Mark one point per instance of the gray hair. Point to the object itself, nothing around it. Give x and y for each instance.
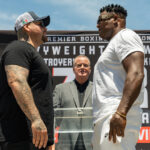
(80, 56)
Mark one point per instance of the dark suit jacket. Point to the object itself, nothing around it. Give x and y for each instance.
(66, 96)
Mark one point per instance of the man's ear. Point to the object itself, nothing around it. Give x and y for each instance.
(90, 69)
(116, 24)
(26, 27)
(116, 20)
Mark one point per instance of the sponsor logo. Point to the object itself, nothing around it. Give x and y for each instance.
(25, 21)
(144, 136)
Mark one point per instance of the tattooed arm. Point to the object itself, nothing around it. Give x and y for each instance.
(17, 80)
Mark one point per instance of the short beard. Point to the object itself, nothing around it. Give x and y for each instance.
(44, 38)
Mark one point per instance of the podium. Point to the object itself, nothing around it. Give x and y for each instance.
(73, 127)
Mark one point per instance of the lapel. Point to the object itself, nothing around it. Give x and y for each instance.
(87, 93)
(74, 93)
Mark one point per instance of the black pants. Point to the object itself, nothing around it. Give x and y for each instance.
(2, 145)
(24, 145)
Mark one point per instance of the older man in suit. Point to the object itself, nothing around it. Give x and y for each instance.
(76, 96)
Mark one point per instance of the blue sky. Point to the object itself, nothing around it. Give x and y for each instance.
(73, 14)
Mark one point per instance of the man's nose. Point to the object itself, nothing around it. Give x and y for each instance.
(82, 66)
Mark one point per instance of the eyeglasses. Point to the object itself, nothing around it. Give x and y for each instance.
(40, 23)
(80, 65)
(104, 18)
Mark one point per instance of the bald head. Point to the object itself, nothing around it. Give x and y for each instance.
(75, 59)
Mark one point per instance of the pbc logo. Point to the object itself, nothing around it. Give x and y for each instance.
(144, 136)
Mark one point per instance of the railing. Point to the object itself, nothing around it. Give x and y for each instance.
(70, 123)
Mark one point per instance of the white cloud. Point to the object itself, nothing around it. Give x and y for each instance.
(8, 17)
(66, 24)
(7, 21)
(6, 26)
(82, 8)
(73, 14)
